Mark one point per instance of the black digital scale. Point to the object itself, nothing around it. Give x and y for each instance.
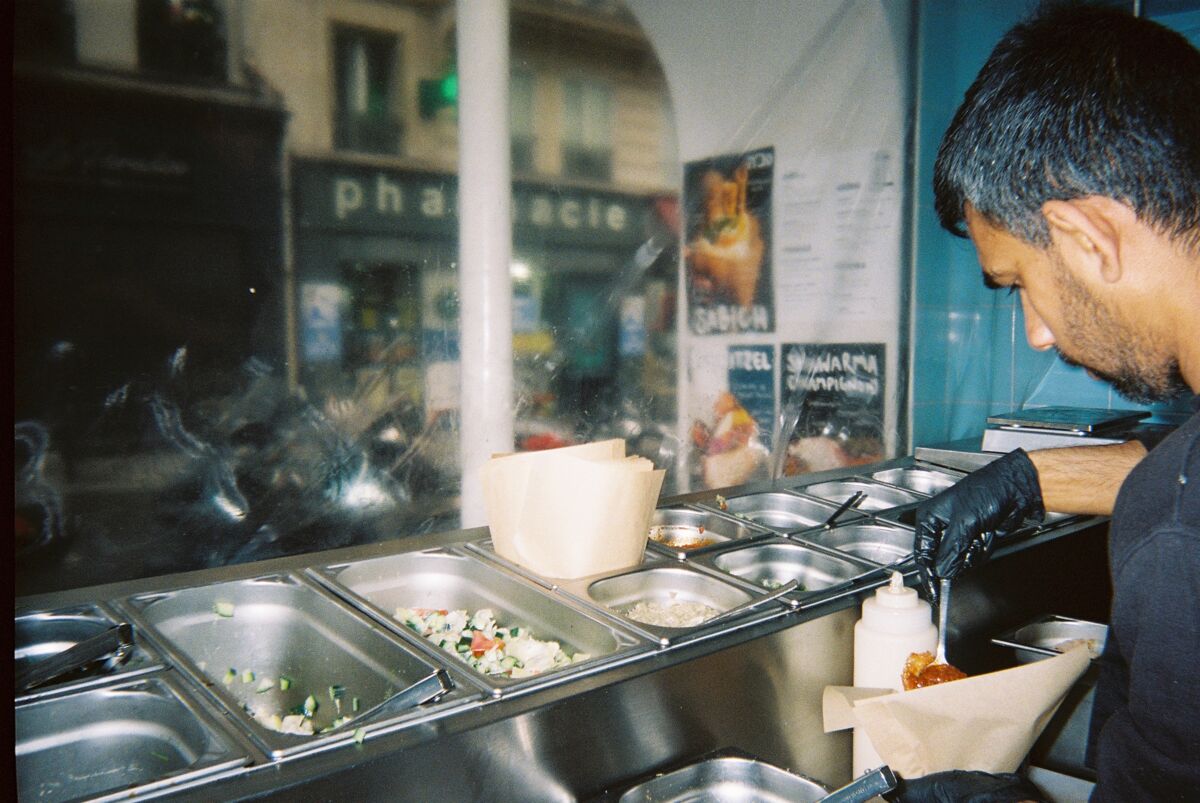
(1081, 420)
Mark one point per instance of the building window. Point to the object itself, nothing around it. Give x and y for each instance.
(183, 38)
(366, 71)
(587, 129)
(521, 114)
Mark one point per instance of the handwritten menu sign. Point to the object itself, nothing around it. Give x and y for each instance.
(835, 394)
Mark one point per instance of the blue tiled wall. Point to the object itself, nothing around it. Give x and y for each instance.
(970, 355)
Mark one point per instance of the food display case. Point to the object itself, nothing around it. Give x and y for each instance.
(261, 680)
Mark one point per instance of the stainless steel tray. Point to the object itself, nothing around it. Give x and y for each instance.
(132, 738)
(781, 511)
(1050, 635)
(664, 582)
(883, 544)
(454, 579)
(43, 634)
(879, 496)
(281, 627)
(922, 480)
(777, 561)
(682, 532)
(727, 780)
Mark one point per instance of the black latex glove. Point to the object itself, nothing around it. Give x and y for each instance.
(958, 786)
(956, 528)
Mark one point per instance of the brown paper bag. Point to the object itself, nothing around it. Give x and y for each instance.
(986, 723)
(571, 512)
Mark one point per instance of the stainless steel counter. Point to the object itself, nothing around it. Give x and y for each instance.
(646, 699)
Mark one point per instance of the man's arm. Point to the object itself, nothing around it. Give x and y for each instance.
(1085, 479)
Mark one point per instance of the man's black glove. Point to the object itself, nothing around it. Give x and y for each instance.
(958, 786)
(956, 528)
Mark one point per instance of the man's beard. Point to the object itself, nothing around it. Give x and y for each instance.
(1131, 385)
(1141, 373)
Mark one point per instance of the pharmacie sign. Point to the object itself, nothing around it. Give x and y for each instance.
(349, 198)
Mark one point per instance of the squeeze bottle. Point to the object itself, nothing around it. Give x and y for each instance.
(895, 623)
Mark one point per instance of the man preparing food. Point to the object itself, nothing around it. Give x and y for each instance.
(1073, 164)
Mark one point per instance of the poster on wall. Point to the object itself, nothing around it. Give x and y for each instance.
(727, 255)
(731, 432)
(832, 398)
(321, 321)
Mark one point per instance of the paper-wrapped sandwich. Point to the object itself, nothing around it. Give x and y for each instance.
(987, 722)
(571, 512)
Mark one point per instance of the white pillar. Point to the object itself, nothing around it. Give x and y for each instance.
(484, 244)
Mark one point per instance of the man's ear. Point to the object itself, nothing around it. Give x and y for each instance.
(1091, 228)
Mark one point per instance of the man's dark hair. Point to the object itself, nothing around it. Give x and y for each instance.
(1078, 100)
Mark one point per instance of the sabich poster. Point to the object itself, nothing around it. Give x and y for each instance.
(834, 394)
(727, 255)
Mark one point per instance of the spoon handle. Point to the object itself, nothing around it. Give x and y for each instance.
(943, 619)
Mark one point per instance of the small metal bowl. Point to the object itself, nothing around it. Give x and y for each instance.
(879, 497)
(774, 563)
(921, 480)
(782, 512)
(682, 532)
(665, 586)
(1053, 635)
(875, 542)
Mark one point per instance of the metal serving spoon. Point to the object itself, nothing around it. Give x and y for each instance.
(943, 619)
(116, 641)
(786, 588)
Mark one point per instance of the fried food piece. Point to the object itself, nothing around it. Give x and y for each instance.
(920, 671)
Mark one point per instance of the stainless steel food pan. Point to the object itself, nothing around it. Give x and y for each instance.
(681, 531)
(879, 497)
(921, 480)
(40, 635)
(116, 742)
(781, 511)
(1051, 635)
(280, 632)
(772, 563)
(727, 780)
(879, 543)
(452, 580)
(663, 584)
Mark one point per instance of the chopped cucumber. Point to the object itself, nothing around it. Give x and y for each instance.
(310, 706)
(359, 735)
(266, 684)
(354, 704)
(224, 609)
(230, 676)
(285, 682)
(247, 676)
(336, 691)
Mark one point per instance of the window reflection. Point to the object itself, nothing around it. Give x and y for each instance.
(236, 270)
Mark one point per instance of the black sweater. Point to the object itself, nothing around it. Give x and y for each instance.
(1145, 731)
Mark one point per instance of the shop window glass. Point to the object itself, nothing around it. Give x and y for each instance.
(366, 118)
(237, 338)
(587, 134)
(522, 122)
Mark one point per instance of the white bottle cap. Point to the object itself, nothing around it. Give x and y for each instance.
(895, 594)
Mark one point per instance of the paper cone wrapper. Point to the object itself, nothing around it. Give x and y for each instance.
(571, 512)
(986, 723)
